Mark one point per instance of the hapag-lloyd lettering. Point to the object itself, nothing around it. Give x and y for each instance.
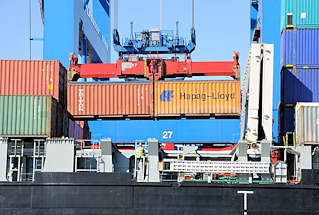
(204, 96)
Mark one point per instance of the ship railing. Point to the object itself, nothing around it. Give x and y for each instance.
(87, 144)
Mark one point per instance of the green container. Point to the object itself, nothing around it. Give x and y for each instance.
(299, 14)
(28, 116)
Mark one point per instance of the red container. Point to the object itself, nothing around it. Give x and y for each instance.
(105, 100)
(33, 77)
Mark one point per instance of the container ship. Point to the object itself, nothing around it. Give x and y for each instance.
(50, 163)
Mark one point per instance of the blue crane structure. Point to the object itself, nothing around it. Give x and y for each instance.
(154, 41)
(265, 28)
(76, 26)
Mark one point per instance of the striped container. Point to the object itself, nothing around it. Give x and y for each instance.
(33, 77)
(197, 98)
(307, 123)
(300, 48)
(299, 14)
(29, 116)
(75, 130)
(110, 100)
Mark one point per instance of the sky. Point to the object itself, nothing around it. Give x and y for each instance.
(221, 26)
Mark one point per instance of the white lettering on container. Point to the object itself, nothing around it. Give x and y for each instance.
(81, 105)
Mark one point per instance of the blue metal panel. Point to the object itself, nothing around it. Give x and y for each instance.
(300, 47)
(101, 16)
(83, 51)
(300, 85)
(287, 119)
(106, 6)
(270, 33)
(58, 30)
(177, 131)
(62, 28)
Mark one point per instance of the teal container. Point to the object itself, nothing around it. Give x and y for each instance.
(28, 116)
(299, 14)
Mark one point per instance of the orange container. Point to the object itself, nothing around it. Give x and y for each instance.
(197, 98)
(105, 100)
(33, 77)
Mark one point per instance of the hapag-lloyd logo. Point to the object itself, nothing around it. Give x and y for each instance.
(168, 95)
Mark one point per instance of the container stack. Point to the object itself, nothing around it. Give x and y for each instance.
(299, 58)
(33, 99)
(159, 99)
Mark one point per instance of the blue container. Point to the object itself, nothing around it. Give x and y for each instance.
(299, 85)
(177, 131)
(300, 47)
(286, 121)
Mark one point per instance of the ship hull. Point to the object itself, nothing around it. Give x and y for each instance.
(107, 194)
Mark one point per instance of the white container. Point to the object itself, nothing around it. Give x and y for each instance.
(307, 123)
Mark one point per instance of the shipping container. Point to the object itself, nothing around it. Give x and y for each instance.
(107, 100)
(33, 77)
(86, 131)
(299, 85)
(29, 116)
(300, 48)
(299, 14)
(286, 121)
(307, 123)
(66, 117)
(197, 98)
(168, 130)
(75, 130)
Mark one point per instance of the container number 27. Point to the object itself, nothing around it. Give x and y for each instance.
(167, 134)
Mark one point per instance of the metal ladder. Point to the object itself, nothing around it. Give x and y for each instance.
(38, 156)
(15, 158)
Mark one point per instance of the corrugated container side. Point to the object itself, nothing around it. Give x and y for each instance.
(307, 123)
(75, 130)
(60, 116)
(304, 13)
(299, 85)
(287, 7)
(110, 99)
(197, 98)
(65, 129)
(300, 47)
(71, 128)
(29, 116)
(33, 77)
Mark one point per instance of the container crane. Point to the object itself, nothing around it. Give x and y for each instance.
(159, 42)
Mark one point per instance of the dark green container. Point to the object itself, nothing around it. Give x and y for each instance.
(29, 116)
